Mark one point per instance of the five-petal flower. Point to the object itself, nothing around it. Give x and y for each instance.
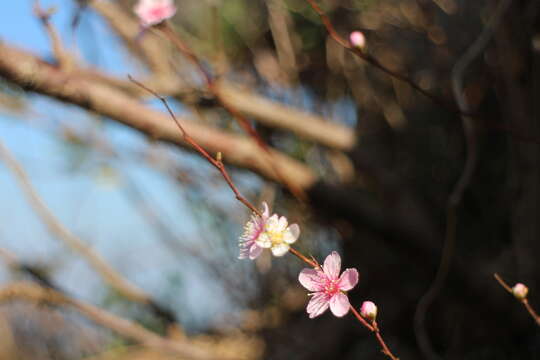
(328, 287)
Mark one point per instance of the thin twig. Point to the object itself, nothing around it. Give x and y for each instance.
(216, 162)
(63, 58)
(503, 283)
(374, 328)
(304, 258)
(234, 112)
(377, 64)
(524, 301)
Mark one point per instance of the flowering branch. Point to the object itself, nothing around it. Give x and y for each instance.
(520, 292)
(357, 50)
(264, 231)
(211, 84)
(328, 290)
(217, 162)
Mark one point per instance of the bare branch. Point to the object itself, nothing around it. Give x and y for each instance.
(248, 103)
(33, 74)
(377, 64)
(124, 327)
(64, 59)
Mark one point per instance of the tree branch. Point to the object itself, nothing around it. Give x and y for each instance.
(124, 327)
(248, 103)
(33, 74)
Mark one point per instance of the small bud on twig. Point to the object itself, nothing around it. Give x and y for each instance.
(369, 310)
(520, 291)
(357, 39)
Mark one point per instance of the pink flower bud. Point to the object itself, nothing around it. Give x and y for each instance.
(520, 291)
(357, 39)
(152, 12)
(368, 310)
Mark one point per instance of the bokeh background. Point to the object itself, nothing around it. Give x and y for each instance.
(380, 191)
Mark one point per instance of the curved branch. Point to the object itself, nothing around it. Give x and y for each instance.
(455, 198)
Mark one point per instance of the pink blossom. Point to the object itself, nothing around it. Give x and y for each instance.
(252, 230)
(152, 12)
(520, 291)
(357, 39)
(327, 287)
(368, 310)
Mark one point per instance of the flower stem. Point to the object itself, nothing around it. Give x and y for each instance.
(361, 319)
(374, 328)
(525, 302)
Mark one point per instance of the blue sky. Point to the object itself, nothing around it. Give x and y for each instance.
(90, 201)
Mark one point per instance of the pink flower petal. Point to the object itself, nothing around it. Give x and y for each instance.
(317, 305)
(332, 265)
(255, 251)
(348, 279)
(153, 12)
(339, 304)
(311, 279)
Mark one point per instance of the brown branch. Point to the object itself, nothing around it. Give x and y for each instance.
(300, 123)
(279, 21)
(124, 327)
(35, 75)
(217, 162)
(248, 103)
(377, 64)
(64, 59)
(234, 112)
(524, 301)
